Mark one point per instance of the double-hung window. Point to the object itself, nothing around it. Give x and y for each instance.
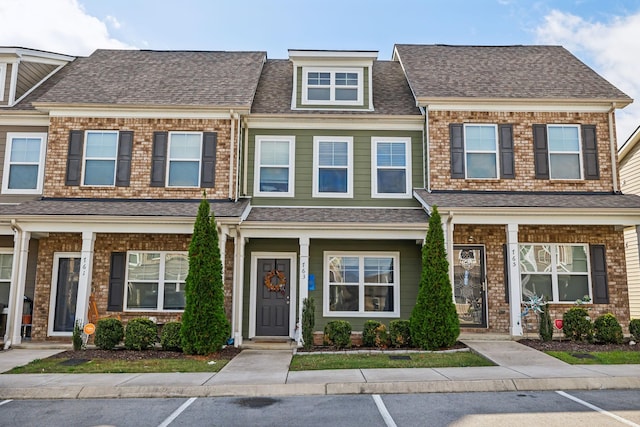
(564, 151)
(274, 166)
(185, 154)
(6, 265)
(332, 166)
(559, 272)
(100, 155)
(156, 280)
(336, 86)
(391, 167)
(24, 163)
(359, 284)
(481, 150)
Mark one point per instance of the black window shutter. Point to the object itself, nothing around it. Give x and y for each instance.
(505, 256)
(590, 152)
(540, 151)
(123, 169)
(159, 159)
(74, 157)
(208, 171)
(599, 274)
(507, 160)
(457, 150)
(116, 281)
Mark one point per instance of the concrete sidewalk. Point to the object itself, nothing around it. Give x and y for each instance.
(266, 373)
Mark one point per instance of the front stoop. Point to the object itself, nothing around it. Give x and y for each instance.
(269, 343)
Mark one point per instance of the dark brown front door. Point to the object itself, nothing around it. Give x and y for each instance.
(469, 285)
(272, 317)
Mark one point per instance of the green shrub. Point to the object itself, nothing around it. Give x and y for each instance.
(140, 334)
(577, 325)
(546, 327)
(308, 322)
(338, 333)
(76, 337)
(607, 330)
(109, 332)
(400, 333)
(369, 334)
(634, 329)
(170, 338)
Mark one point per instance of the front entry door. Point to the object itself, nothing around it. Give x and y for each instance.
(65, 293)
(469, 285)
(272, 305)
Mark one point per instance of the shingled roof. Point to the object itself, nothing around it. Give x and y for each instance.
(391, 92)
(145, 77)
(499, 72)
(338, 215)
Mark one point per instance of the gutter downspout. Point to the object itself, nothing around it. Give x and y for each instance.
(612, 145)
(245, 160)
(425, 151)
(13, 291)
(231, 151)
(238, 153)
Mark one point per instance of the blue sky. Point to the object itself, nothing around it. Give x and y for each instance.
(603, 33)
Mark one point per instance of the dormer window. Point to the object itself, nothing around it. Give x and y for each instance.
(332, 87)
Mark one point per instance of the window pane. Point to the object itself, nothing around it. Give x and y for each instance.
(319, 94)
(332, 180)
(144, 266)
(391, 154)
(185, 146)
(480, 138)
(23, 177)
(346, 94)
(344, 270)
(343, 298)
(378, 298)
(274, 153)
(176, 267)
(333, 153)
(102, 144)
(536, 285)
(564, 166)
(319, 79)
(535, 258)
(274, 179)
(99, 172)
(571, 288)
(174, 296)
(142, 295)
(378, 270)
(6, 262)
(346, 79)
(184, 174)
(392, 181)
(25, 150)
(481, 165)
(563, 138)
(572, 259)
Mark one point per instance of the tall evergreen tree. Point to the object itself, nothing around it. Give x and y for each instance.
(205, 327)
(434, 322)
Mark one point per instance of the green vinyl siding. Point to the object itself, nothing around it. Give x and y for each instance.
(365, 95)
(362, 173)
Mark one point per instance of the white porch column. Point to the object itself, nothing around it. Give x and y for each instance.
(447, 228)
(13, 334)
(515, 293)
(304, 283)
(238, 286)
(84, 281)
(222, 243)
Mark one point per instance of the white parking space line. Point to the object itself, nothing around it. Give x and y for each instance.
(386, 416)
(177, 412)
(598, 409)
(4, 402)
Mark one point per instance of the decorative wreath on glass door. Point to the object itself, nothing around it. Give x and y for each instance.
(280, 283)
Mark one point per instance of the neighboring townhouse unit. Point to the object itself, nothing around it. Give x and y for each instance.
(522, 166)
(135, 139)
(629, 160)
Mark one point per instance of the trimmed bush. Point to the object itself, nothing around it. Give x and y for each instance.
(634, 329)
(170, 338)
(308, 322)
(369, 334)
(109, 333)
(399, 333)
(576, 324)
(338, 334)
(140, 334)
(546, 327)
(76, 337)
(607, 329)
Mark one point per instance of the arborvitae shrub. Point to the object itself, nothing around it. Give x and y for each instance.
(170, 338)
(308, 322)
(369, 333)
(399, 333)
(140, 334)
(634, 329)
(607, 330)
(577, 325)
(76, 337)
(546, 327)
(109, 333)
(338, 334)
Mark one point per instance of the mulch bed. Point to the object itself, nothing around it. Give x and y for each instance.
(577, 346)
(323, 349)
(226, 353)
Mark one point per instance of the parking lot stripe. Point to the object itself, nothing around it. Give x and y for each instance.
(386, 416)
(177, 412)
(598, 409)
(4, 402)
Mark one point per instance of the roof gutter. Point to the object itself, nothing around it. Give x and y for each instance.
(612, 146)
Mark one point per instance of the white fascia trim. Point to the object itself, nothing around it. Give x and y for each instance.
(516, 106)
(335, 231)
(35, 55)
(340, 122)
(134, 111)
(629, 144)
(3, 79)
(23, 120)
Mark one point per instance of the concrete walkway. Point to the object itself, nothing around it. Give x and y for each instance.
(266, 373)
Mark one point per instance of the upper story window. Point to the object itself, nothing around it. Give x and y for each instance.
(274, 166)
(100, 156)
(391, 167)
(566, 151)
(185, 153)
(332, 166)
(481, 151)
(332, 87)
(24, 163)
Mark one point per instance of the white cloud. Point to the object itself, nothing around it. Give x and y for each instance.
(113, 21)
(610, 48)
(60, 26)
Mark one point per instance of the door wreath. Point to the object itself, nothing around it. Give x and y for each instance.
(280, 283)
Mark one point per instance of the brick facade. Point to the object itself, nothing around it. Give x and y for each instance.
(440, 157)
(143, 129)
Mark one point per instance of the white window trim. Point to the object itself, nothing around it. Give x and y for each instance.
(3, 79)
(495, 151)
(7, 162)
(554, 270)
(256, 172)
(361, 285)
(8, 251)
(316, 166)
(54, 291)
(332, 87)
(85, 158)
(161, 282)
(374, 168)
(579, 152)
(169, 160)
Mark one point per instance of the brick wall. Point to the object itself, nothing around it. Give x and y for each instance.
(105, 244)
(494, 236)
(58, 145)
(440, 158)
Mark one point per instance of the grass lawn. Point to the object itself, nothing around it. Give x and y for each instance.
(616, 357)
(362, 361)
